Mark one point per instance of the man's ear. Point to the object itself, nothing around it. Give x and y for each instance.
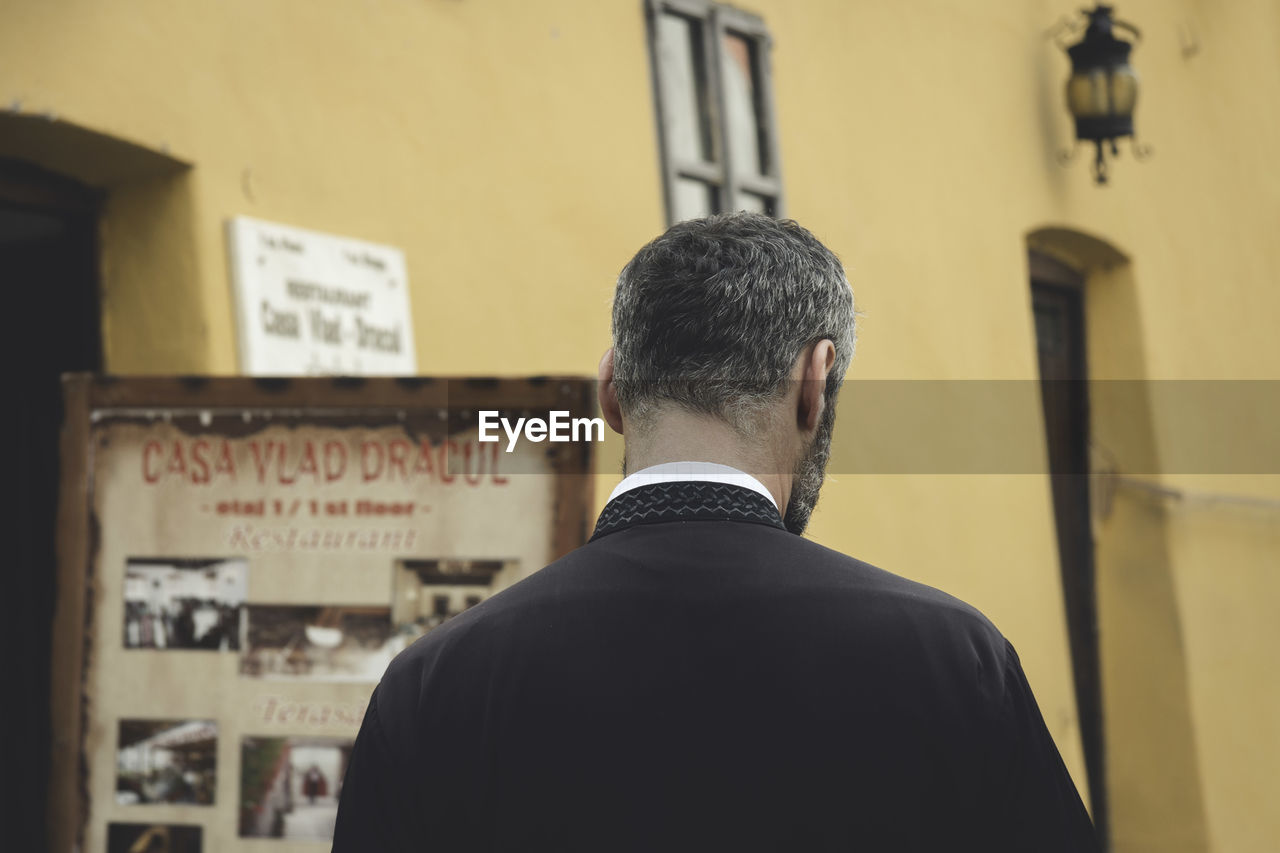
(815, 364)
(606, 393)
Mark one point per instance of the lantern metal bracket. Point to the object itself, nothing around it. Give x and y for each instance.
(1066, 28)
(1142, 151)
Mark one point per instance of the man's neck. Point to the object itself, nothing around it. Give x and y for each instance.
(680, 436)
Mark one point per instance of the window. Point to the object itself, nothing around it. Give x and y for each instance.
(714, 101)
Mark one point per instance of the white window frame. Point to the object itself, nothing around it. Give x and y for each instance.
(716, 20)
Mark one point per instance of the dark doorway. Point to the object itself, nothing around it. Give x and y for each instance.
(48, 271)
(1057, 296)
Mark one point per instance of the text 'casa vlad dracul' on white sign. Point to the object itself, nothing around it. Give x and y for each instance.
(311, 304)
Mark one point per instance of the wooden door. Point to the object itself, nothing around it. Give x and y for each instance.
(48, 261)
(1058, 305)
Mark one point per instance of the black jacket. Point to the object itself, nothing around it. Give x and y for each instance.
(698, 678)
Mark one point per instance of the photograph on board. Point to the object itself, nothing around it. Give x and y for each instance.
(317, 642)
(184, 603)
(427, 593)
(154, 838)
(289, 786)
(166, 761)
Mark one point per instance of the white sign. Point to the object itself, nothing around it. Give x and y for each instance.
(310, 303)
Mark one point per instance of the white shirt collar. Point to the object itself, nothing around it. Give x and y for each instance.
(707, 472)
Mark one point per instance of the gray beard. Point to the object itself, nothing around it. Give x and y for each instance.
(809, 474)
(810, 471)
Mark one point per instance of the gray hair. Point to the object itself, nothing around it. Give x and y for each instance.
(712, 315)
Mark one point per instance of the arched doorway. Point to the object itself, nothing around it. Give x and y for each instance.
(1057, 299)
(48, 266)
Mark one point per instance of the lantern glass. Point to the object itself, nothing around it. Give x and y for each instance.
(1099, 92)
(1087, 94)
(1124, 90)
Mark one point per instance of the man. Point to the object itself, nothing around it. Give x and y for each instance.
(698, 676)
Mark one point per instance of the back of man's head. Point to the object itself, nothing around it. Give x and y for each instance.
(711, 316)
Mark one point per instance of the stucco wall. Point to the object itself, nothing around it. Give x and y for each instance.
(509, 149)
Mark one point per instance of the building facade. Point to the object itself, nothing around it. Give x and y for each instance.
(518, 153)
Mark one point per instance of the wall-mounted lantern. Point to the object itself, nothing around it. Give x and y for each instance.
(1103, 88)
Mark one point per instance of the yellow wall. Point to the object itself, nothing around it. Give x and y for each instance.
(468, 134)
(509, 148)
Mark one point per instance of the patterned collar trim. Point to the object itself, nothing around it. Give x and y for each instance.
(688, 500)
